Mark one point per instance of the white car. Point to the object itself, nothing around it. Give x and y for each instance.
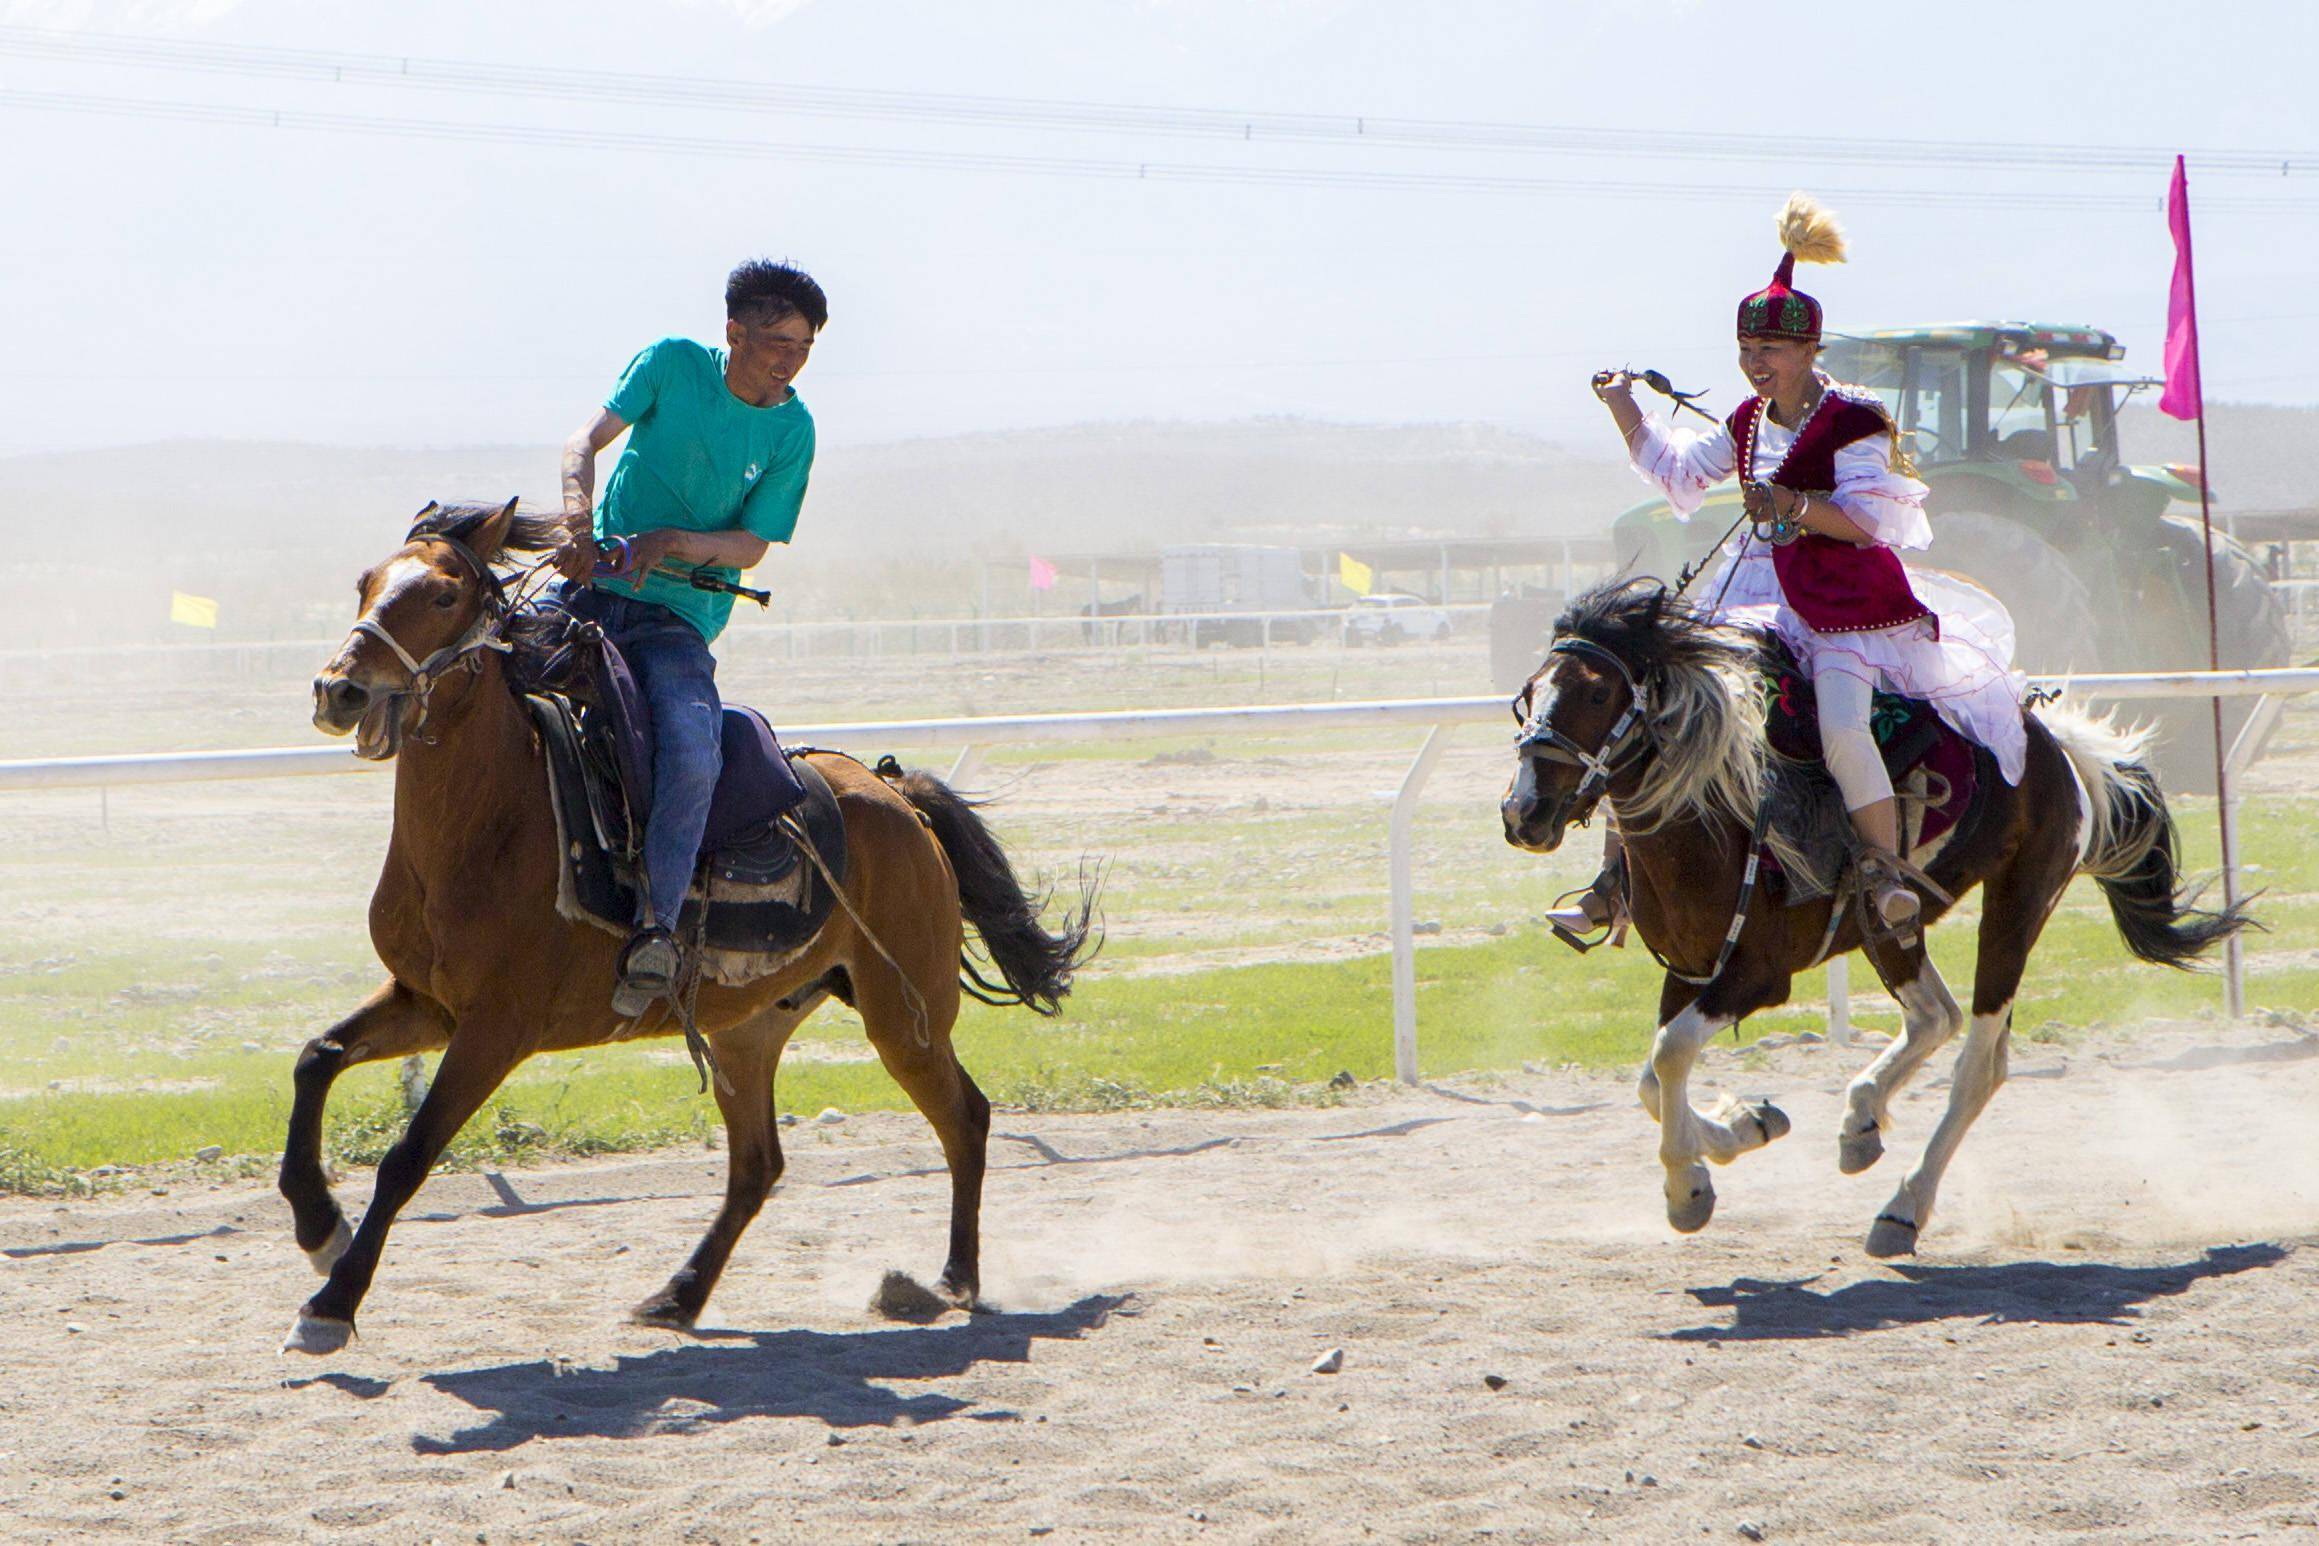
(1388, 618)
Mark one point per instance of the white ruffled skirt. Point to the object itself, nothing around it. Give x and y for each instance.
(1966, 673)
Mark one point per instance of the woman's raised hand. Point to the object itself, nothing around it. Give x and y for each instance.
(1614, 383)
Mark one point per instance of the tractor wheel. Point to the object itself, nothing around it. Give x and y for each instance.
(2053, 615)
(2251, 629)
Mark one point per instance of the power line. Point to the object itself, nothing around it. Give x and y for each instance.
(598, 86)
(551, 137)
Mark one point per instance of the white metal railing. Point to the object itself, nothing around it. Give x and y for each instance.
(1438, 717)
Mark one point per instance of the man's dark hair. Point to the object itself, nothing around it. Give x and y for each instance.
(764, 291)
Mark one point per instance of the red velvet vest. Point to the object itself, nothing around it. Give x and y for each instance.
(1833, 585)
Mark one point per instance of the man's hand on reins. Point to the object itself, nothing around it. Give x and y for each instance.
(575, 557)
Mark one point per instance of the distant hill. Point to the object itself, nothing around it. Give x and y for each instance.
(277, 532)
(98, 539)
(1138, 485)
(2264, 458)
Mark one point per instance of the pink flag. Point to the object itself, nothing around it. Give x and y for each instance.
(2182, 397)
(1042, 573)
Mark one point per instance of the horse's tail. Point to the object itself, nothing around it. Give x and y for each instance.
(2133, 851)
(1035, 965)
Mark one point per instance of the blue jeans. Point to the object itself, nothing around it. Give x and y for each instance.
(678, 676)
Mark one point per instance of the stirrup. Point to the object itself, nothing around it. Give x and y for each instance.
(647, 972)
(1890, 910)
(1609, 894)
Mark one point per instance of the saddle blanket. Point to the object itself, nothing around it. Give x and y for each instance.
(1937, 774)
(763, 900)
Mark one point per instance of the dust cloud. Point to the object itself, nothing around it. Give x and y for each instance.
(276, 533)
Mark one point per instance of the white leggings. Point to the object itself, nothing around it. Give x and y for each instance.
(1845, 742)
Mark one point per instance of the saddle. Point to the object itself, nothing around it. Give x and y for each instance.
(1939, 777)
(756, 899)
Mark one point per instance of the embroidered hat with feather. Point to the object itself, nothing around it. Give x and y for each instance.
(1780, 310)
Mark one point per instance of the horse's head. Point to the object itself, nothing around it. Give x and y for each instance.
(425, 607)
(1585, 714)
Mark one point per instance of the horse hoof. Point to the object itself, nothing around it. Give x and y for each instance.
(318, 1335)
(1689, 1214)
(325, 1256)
(1772, 1120)
(1889, 1237)
(966, 1296)
(1855, 1152)
(662, 1311)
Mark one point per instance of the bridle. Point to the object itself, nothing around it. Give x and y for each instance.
(1628, 738)
(483, 635)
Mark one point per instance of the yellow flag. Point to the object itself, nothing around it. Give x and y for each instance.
(193, 611)
(1357, 576)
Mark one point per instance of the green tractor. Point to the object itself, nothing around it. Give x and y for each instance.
(2014, 427)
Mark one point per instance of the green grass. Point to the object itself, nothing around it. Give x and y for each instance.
(1249, 1035)
(140, 1020)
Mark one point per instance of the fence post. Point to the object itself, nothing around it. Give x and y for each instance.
(1840, 1001)
(412, 1077)
(2242, 752)
(1401, 904)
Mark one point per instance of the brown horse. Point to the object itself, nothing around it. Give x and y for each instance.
(481, 965)
(1644, 703)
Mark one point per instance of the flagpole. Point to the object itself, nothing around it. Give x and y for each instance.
(2234, 962)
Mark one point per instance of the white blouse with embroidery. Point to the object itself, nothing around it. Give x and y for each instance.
(1963, 667)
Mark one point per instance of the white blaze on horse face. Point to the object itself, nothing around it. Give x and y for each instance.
(1522, 799)
(1543, 696)
(399, 576)
(1524, 794)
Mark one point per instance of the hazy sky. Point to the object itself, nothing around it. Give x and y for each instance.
(166, 277)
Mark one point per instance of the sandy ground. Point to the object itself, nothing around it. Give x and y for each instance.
(2110, 1336)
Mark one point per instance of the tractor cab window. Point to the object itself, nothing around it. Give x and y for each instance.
(1931, 413)
(2085, 416)
(1865, 362)
(2020, 414)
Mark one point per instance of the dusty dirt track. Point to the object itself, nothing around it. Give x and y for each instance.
(2111, 1335)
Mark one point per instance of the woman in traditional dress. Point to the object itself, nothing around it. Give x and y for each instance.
(1831, 502)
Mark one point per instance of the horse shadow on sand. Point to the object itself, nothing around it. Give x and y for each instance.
(2054, 1293)
(725, 1377)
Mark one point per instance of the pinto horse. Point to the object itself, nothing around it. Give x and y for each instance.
(481, 965)
(1644, 703)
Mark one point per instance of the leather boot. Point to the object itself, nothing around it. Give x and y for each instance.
(648, 968)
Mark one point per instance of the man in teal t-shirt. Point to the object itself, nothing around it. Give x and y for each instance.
(719, 450)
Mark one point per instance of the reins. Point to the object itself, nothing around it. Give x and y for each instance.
(1738, 912)
(1687, 573)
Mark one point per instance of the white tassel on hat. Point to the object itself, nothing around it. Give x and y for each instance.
(1810, 231)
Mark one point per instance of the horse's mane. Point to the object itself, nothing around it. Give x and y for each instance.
(528, 532)
(1704, 682)
(539, 638)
